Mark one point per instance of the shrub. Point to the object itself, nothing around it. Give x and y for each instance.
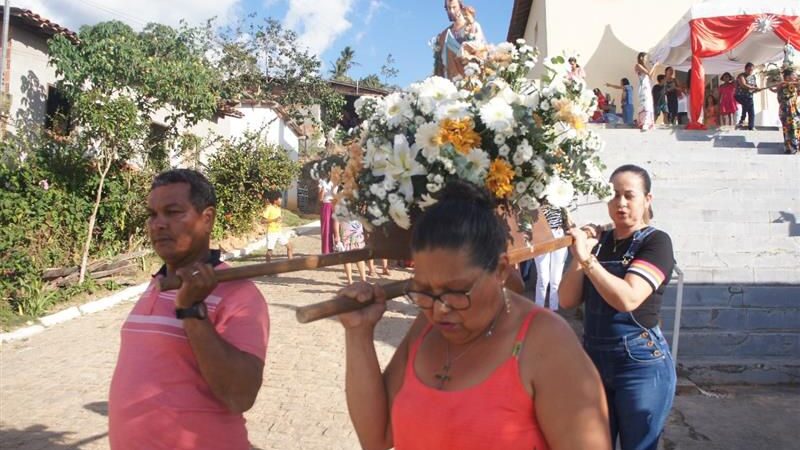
(44, 203)
(242, 171)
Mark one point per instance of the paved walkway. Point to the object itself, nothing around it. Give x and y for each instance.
(53, 387)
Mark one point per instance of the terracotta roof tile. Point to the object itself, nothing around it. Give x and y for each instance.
(40, 24)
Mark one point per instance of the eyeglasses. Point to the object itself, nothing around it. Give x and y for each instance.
(455, 300)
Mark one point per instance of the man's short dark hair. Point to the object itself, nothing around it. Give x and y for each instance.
(748, 65)
(201, 192)
(660, 78)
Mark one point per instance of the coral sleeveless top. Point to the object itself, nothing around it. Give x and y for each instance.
(495, 414)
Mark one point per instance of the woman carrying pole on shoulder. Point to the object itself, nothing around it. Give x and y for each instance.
(620, 277)
(478, 368)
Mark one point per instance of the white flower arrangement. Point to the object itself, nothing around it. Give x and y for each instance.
(525, 140)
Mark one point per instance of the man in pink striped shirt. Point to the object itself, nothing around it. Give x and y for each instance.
(190, 361)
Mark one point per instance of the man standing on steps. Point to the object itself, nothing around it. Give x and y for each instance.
(745, 87)
(190, 361)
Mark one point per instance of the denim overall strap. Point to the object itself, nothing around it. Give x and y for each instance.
(638, 237)
(601, 321)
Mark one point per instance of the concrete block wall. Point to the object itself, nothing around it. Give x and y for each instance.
(731, 203)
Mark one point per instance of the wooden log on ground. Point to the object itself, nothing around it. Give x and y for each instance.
(100, 265)
(125, 267)
(58, 272)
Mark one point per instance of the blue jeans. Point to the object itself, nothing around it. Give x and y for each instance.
(627, 114)
(639, 379)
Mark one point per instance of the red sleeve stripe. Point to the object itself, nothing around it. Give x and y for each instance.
(648, 271)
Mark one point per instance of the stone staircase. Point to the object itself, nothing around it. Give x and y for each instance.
(731, 203)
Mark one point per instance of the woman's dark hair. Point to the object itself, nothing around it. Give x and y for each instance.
(726, 74)
(201, 191)
(647, 183)
(640, 57)
(463, 218)
(669, 69)
(787, 73)
(625, 82)
(748, 66)
(712, 99)
(572, 60)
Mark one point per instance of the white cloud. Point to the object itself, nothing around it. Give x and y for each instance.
(136, 13)
(374, 7)
(360, 36)
(318, 23)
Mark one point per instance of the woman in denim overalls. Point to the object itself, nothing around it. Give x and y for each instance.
(634, 360)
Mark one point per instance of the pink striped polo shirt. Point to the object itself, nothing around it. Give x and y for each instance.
(158, 398)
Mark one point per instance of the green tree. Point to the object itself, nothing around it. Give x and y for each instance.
(372, 81)
(388, 70)
(343, 64)
(117, 79)
(263, 61)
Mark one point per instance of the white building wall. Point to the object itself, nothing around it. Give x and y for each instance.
(29, 77)
(608, 34)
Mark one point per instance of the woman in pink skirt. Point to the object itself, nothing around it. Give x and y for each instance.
(327, 223)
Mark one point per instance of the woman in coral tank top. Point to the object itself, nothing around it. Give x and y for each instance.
(481, 367)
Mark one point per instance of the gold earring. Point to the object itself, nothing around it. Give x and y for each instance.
(506, 300)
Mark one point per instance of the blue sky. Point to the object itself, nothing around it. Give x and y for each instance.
(402, 28)
(374, 28)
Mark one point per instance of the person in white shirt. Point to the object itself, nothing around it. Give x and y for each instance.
(327, 223)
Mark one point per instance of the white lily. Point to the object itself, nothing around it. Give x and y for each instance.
(399, 213)
(402, 165)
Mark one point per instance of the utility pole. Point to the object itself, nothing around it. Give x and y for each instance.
(6, 14)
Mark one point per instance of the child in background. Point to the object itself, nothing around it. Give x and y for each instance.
(710, 112)
(660, 100)
(683, 108)
(727, 100)
(273, 217)
(627, 99)
(350, 236)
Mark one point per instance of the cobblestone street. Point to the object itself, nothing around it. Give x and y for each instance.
(54, 386)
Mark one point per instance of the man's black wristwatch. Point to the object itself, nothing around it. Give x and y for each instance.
(196, 311)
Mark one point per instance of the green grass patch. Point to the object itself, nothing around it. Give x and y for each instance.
(291, 219)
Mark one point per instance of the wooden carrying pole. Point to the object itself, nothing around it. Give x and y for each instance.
(290, 265)
(339, 304)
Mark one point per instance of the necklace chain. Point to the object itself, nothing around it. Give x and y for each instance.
(444, 376)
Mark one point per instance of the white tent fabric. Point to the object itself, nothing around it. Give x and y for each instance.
(759, 48)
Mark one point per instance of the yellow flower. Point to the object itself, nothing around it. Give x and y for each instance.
(498, 181)
(460, 133)
(565, 112)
